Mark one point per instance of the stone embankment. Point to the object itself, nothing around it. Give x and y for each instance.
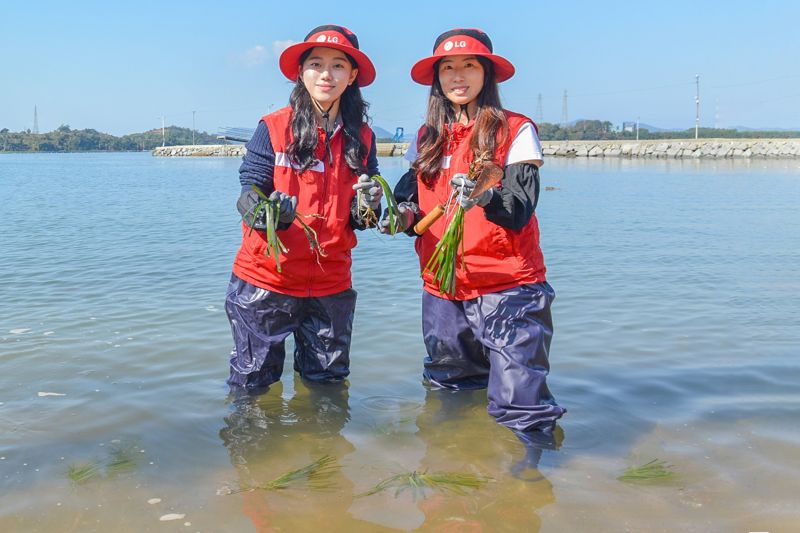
(666, 149)
(237, 150)
(674, 149)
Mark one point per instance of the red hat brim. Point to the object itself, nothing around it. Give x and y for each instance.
(290, 59)
(422, 71)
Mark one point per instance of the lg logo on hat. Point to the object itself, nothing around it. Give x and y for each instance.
(449, 45)
(328, 38)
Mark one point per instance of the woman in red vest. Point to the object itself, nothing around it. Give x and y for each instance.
(495, 330)
(309, 158)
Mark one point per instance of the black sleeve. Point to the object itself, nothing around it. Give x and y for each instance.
(257, 168)
(513, 204)
(372, 158)
(406, 188)
(258, 163)
(406, 193)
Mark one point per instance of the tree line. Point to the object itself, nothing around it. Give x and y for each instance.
(65, 139)
(597, 130)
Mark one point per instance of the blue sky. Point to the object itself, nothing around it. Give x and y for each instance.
(117, 67)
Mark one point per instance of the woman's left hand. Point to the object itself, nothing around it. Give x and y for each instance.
(371, 192)
(465, 186)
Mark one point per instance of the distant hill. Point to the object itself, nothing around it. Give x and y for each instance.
(746, 128)
(656, 129)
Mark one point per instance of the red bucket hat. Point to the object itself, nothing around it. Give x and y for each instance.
(461, 42)
(329, 36)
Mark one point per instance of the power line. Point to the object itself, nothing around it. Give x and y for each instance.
(679, 84)
(753, 82)
(625, 91)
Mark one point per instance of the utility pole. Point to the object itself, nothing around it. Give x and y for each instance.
(637, 128)
(564, 114)
(697, 106)
(539, 113)
(193, 112)
(163, 133)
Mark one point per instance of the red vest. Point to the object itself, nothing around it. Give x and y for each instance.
(324, 189)
(495, 258)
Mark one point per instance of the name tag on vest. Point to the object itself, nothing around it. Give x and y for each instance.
(282, 159)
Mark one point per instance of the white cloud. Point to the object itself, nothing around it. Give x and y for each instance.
(280, 46)
(254, 56)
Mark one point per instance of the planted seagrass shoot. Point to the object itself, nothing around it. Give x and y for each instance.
(654, 470)
(315, 476)
(121, 459)
(83, 472)
(420, 483)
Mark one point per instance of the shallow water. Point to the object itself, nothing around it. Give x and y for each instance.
(676, 334)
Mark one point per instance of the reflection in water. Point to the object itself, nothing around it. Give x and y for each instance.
(535, 442)
(268, 436)
(712, 389)
(460, 437)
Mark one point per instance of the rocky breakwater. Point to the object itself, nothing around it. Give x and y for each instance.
(674, 149)
(238, 150)
(201, 150)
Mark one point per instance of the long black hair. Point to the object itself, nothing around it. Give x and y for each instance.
(490, 119)
(352, 109)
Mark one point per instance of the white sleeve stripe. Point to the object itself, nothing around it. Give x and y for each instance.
(282, 159)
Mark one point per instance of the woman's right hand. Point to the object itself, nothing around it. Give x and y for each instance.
(288, 206)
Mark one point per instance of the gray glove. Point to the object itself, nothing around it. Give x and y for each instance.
(405, 213)
(371, 192)
(288, 206)
(465, 187)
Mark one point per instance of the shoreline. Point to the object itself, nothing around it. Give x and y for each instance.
(646, 149)
(238, 150)
(677, 149)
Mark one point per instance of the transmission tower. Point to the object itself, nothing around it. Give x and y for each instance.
(538, 116)
(35, 120)
(564, 114)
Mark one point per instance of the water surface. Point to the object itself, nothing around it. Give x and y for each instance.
(676, 334)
